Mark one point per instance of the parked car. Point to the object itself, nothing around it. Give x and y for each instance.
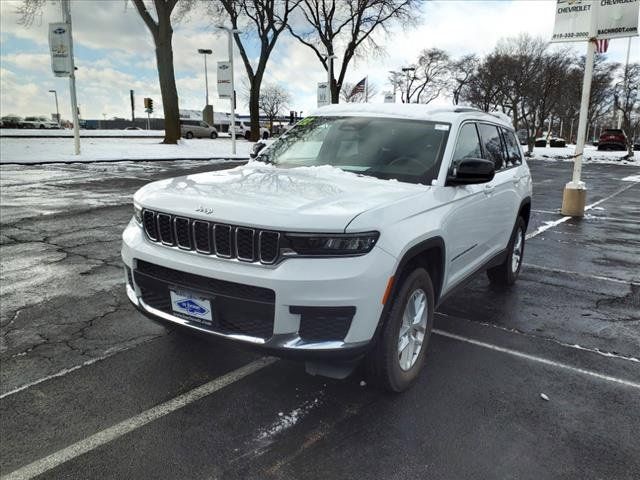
(557, 142)
(37, 122)
(244, 130)
(337, 243)
(11, 121)
(612, 139)
(197, 129)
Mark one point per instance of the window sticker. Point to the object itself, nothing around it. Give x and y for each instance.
(441, 126)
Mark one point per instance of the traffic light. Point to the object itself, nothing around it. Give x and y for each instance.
(148, 105)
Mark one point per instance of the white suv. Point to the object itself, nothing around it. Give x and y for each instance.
(340, 239)
(244, 130)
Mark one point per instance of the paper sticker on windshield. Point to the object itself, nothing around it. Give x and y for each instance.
(442, 126)
(306, 120)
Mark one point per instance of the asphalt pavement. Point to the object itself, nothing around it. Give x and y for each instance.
(538, 381)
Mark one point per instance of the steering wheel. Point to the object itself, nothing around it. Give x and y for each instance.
(407, 159)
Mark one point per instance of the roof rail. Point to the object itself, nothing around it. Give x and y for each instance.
(467, 109)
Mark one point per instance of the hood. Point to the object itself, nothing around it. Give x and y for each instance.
(295, 199)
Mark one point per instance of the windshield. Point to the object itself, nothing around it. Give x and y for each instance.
(387, 148)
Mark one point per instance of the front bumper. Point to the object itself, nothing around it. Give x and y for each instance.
(357, 283)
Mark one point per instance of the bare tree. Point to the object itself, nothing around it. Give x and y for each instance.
(461, 72)
(263, 21)
(273, 101)
(430, 77)
(627, 101)
(162, 32)
(348, 95)
(348, 25)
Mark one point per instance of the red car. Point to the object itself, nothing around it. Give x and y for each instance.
(612, 139)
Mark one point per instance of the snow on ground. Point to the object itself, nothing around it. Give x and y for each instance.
(591, 155)
(89, 133)
(51, 150)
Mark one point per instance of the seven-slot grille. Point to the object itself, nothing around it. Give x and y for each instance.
(209, 238)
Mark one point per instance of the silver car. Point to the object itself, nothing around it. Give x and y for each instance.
(197, 129)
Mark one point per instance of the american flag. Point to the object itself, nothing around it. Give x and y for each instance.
(360, 86)
(602, 45)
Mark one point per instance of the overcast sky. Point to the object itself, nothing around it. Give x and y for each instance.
(115, 53)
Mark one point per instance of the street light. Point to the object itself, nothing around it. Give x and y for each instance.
(407, 70)
(230, 32)
(205, 52)
(55, 94)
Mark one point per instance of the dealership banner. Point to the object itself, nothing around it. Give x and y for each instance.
(60, 47)
(323, 94)
(224, 80)
(614, 19)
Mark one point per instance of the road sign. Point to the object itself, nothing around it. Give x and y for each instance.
(224, 80)
(615, 19)
(60, 47)
(323, 94)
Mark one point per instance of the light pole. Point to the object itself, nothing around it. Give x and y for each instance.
(55, 94)
(205, 52)
(406, 70)
(230, 33)
(66, 15)
(330, 57)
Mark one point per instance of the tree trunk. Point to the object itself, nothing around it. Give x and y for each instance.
(254, 109)
(166, 76)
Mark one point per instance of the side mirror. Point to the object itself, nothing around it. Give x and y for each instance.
(469, 171)
(256, 149)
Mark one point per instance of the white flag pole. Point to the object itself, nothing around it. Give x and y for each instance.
(575, 192)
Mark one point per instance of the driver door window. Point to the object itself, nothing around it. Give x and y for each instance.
(468, 145)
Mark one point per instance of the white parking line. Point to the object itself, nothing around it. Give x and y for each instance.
(537, 359)
(126, 426)
(578, 274)
(548, 225)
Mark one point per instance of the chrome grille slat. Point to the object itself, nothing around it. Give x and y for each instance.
(209, 238)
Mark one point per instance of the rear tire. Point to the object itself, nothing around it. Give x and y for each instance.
(507, 272)
(189, 135)
(265, 135)
(399, 354)
(247, 135)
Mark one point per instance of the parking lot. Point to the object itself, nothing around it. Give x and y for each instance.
(538, 381)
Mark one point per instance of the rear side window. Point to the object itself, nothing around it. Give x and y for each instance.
(492, 144)
(468, 145)
(514, 157)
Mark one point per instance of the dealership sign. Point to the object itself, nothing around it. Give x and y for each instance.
(60, 47)
(613, 19)
(323, 94)
(224, 80)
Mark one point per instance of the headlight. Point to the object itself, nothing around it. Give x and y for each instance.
(332, 244)
(137, 213)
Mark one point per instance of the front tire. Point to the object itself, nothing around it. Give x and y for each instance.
(247, 135)
(189, 135)
(399, 354)
(213, 135)
(507, 272)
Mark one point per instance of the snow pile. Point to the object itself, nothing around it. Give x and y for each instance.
(51, 150)
(591, 155)
(55, 132)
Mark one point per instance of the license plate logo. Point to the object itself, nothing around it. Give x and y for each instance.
(192, 305)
